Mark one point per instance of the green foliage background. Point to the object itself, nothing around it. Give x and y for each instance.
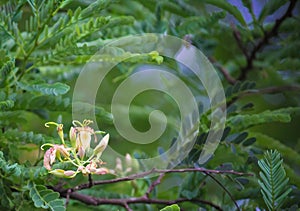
(45, 44)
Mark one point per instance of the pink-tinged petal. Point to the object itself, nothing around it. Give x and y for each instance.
(81, 152)
(62, 150)
(80, 168)
(91, 167)
(84, 171)
(52, 155)
(47, 159)
(101, 171)
(70, 173)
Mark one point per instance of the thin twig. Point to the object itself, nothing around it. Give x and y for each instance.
(127, 207)
(225, 189)
(159, 171)
(265, 40)
(276, 89)
(153, 184)
(91, 183)
(268, 90)
(225, 73)
(67, 198)
(237, 36)
(124, 202)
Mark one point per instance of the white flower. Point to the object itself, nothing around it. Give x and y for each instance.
(101, 146)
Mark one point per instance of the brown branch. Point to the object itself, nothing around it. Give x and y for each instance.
(153, 185)
(276, 89)
(237, 36)
(127, 207)
(268, 90)
(91, 183)
(225, 73)
(67, 197)
(124, 202)
(265, 40)
(159, 171)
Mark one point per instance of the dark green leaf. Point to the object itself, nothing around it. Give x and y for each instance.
(47, 89)
(233, 10)
(237, 138)
(249, 141)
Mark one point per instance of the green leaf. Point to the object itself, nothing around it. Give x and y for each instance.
(94, 8)
(173, 207)
(233, 10)
(12, 118)
(249, 141)
(45, 198)
(234, 90)
(7, 104)
(241, 122)
(270, 7)
(273, 181)
(7, 169)
(191, 181)
(237, 137)
(47, 89)
(289, 154)
(5, 192)
(17, 136)
(7, 68)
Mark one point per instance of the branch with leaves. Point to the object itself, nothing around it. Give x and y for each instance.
(71, 193)
(251, 56)
(89, 200)
(274, 182)
(258, 46)
(268, 90)
(86, 160)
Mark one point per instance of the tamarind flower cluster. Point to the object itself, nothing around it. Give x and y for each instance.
(77, 152)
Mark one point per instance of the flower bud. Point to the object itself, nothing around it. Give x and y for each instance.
(58, 172)
(81, 152)
(91, 167)
(70, 173)
(128, 160)
(60, 132)
(101, 171)
(72, 136)
(101, 146)
(119, 167)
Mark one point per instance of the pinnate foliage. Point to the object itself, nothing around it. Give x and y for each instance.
(273, 183)
(45, 44)
(45, 198)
